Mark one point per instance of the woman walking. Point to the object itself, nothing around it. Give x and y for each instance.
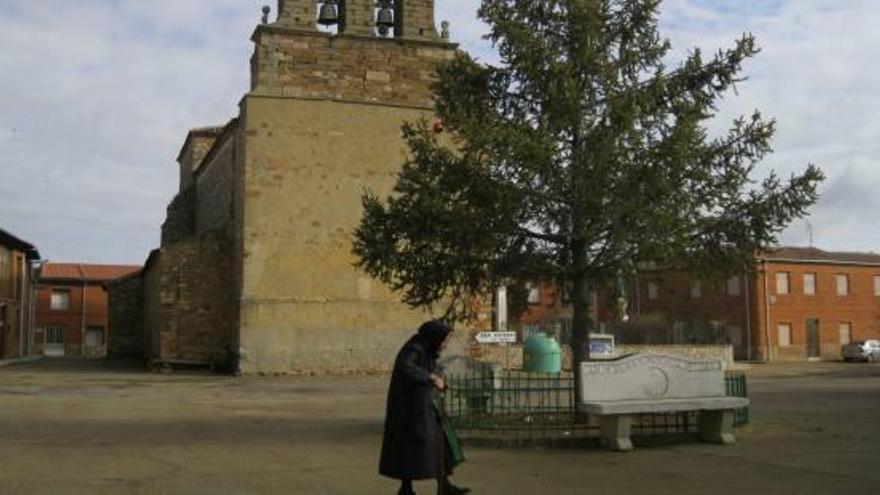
(415, 446)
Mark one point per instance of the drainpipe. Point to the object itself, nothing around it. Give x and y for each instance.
(33, 308)
(747, 283)
(766, 312)
(82, 331)
(22, 308)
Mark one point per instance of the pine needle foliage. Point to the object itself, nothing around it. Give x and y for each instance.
(578, 156)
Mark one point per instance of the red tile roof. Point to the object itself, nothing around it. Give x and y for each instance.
(813, 255)
(87, 272)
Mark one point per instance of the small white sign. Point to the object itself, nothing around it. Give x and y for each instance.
(496, 337)
(601, 346)
(501, 309)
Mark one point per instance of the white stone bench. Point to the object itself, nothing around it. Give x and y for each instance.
(617, 390)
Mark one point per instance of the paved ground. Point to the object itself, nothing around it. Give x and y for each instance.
(69, 427)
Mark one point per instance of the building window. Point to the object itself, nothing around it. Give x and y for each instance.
(534, 296)
(654, 291)
(810, 284)
(784, 331)
(782, 283)
(54, 335)
(845, 330)
(733, 288)
(696, 289)
(877, 285)
(95, 337)
(842, 284)
(60, 299)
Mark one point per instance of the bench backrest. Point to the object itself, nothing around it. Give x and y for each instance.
(652, 376)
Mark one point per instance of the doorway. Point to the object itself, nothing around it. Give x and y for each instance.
(53, 346)
(813, 350)
(95, 342)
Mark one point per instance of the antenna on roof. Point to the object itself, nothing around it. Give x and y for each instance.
(810, 231)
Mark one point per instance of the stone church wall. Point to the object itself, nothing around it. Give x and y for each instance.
(214, 182)
(190, 312)
(125, 300)
(256, 262)
(304, 305)
(315, 65)
(180, 217)
(322, 126)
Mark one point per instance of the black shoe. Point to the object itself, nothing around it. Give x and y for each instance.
(406, 492)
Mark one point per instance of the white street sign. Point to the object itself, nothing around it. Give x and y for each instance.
(501, 309)
(496, 337)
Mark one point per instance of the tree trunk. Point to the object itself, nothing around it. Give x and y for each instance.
(581, 323)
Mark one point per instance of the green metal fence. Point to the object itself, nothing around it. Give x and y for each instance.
(737, 387)
(511, 400)
(542, 404)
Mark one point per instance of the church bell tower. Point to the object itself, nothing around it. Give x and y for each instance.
(332, 83)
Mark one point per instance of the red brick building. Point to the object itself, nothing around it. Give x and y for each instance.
(17, 284)
(72, 314)
(809, 302)
(801, 303)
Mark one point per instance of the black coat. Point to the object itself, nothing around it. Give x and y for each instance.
(412, 447)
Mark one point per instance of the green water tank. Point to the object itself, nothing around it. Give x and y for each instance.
(542, 354)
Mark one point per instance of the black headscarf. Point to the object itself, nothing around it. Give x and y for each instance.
(433, 333)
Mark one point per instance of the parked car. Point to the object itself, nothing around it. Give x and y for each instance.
(862, 350)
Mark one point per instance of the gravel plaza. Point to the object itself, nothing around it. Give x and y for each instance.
(80, 427)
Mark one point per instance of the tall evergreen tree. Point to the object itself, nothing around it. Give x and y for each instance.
(579, 155)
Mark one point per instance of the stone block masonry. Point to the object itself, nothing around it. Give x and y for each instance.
(255, 267)
(321, 126)
(126, 317)
(346, 68)
(180, 217)
(190, 312)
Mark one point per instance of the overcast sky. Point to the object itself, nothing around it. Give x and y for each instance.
(97, 96)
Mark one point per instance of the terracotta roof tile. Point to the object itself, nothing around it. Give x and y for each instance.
(815, 255)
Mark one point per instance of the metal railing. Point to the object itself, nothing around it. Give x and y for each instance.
(511, 400)
(738, 387)
(542, 405)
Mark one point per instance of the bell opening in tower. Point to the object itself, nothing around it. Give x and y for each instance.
(386, 15)
(331, 16)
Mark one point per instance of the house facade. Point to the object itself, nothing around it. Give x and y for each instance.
(72, 310)
(810, 302)
(18, 261)
(798, 304)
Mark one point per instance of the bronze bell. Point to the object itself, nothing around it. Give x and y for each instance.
(385, 20)
(329, 15)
